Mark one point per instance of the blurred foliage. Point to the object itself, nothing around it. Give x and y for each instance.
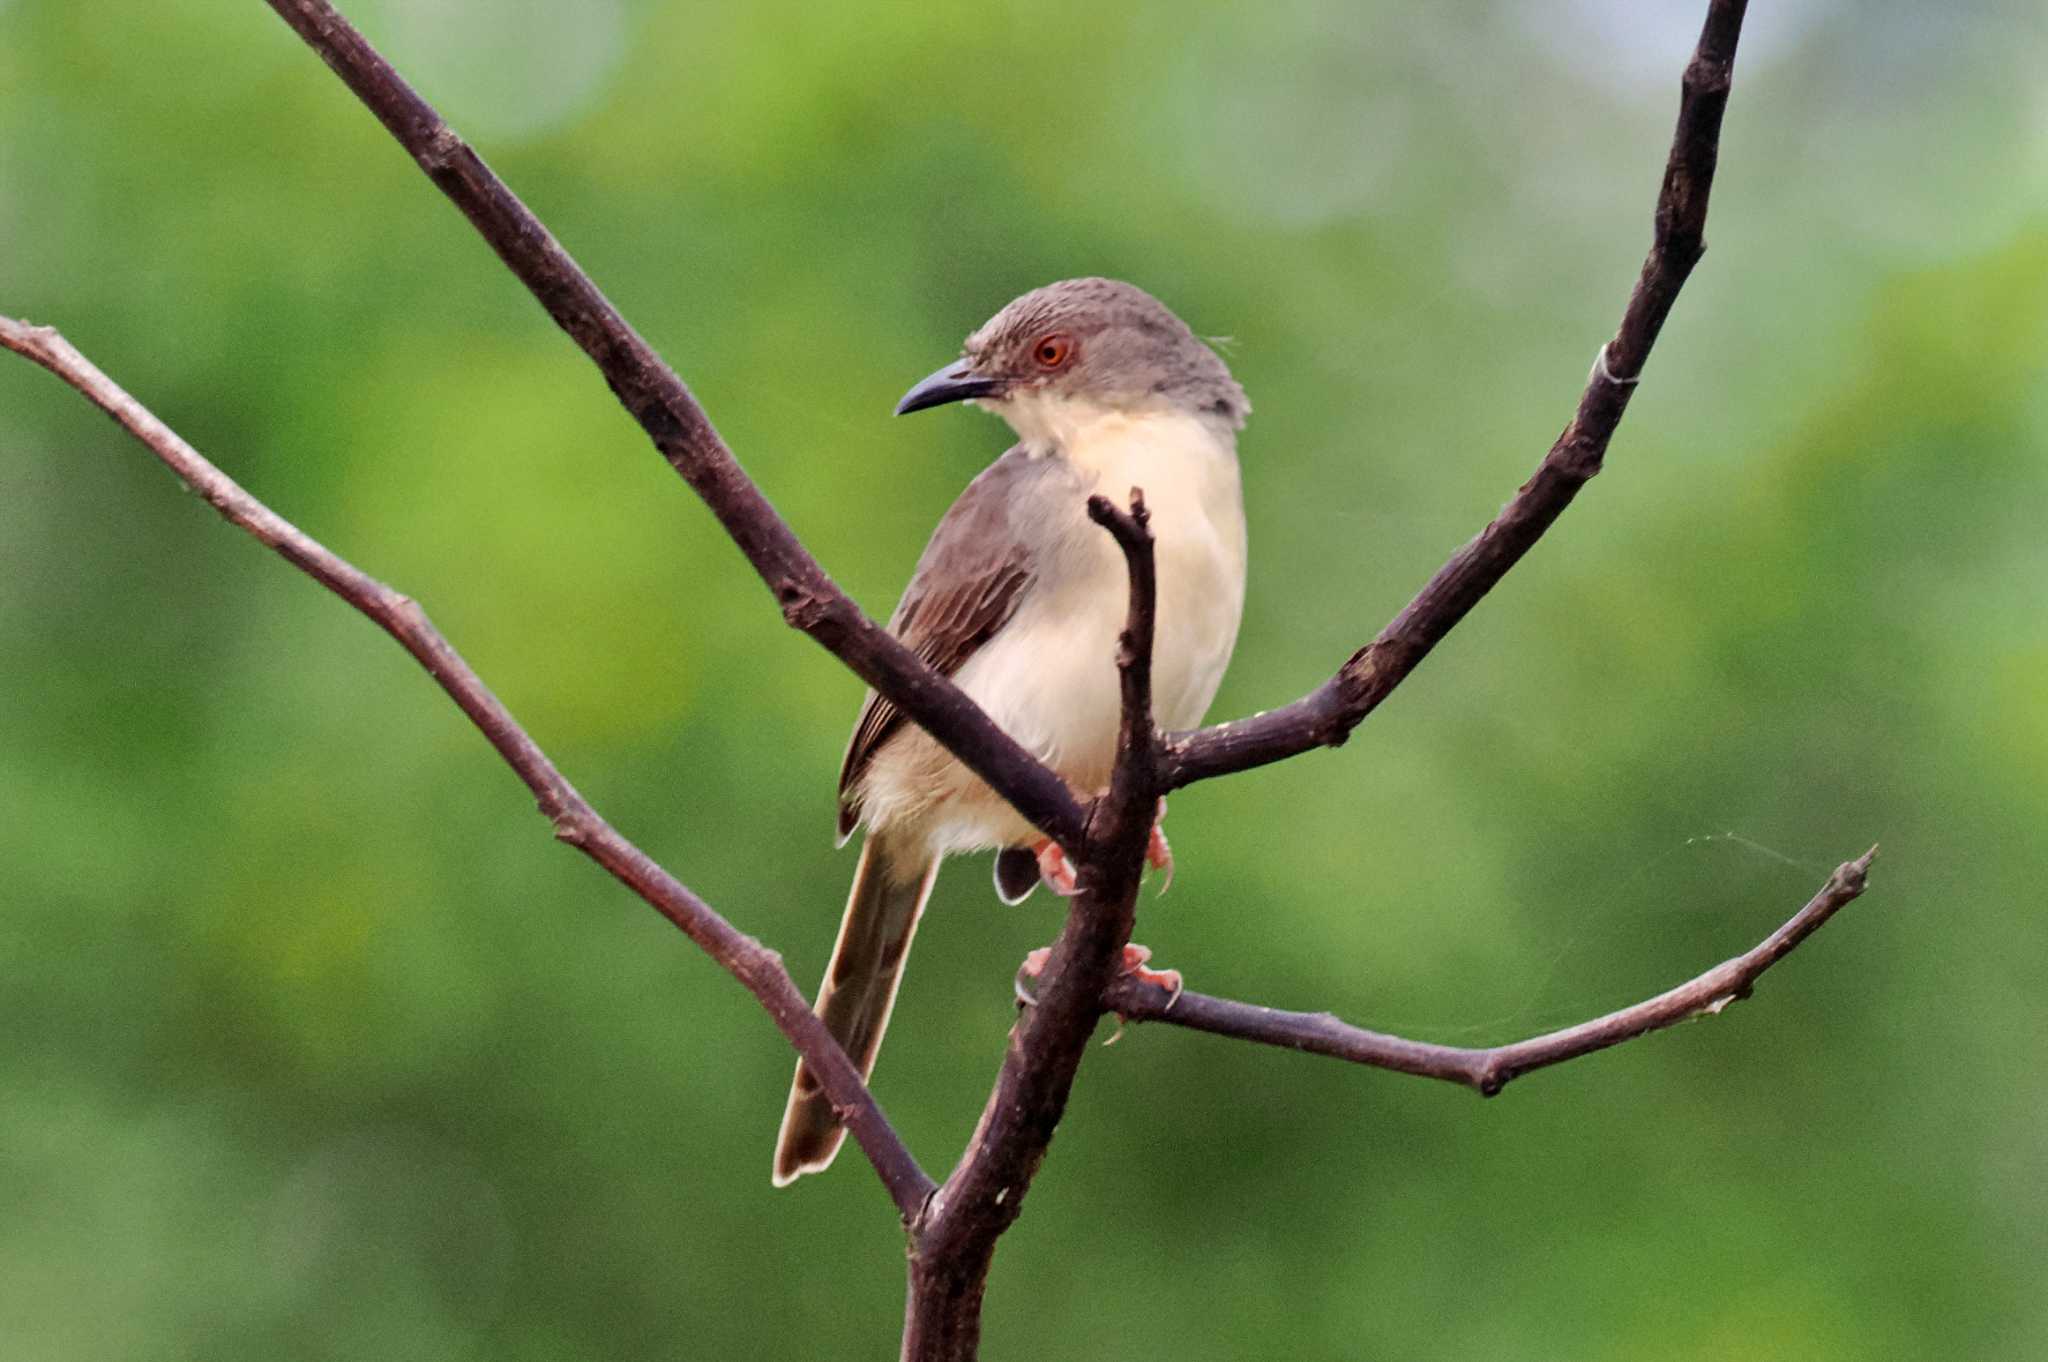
(317, 1047)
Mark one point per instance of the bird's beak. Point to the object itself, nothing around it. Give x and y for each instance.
(957, 382)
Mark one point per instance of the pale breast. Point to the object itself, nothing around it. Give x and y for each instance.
(1049, 676)
(1052, 680)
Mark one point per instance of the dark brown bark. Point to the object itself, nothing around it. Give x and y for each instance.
(953, 1245)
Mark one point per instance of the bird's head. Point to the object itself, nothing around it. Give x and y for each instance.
(1085, 345)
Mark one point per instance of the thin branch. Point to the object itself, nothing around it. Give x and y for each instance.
(1132, 530)
(952, 1247)
(1489, 1070)
(756, 967)
(666, 410)
(1326, 716)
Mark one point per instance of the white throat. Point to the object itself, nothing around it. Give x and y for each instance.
(1045, 423)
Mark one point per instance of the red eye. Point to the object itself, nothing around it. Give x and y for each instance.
(1053, 351)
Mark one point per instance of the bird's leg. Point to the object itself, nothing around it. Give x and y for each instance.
(1054, 867)
(1158, 854)
(1058, 872)
(1033, 966)
(1134, 964)
(1135, 957)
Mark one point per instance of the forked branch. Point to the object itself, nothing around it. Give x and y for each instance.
(952, 1247)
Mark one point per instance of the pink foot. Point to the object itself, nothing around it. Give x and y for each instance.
(1158, 854)
(1134, 964)
(1054, 868)
(1033, 966)
(1135, 958)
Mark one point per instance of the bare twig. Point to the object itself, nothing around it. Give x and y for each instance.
(953, 1245)
(1132, 530)
(666, 410)
(1489, 1070)
(1326, 716)
(756, 967)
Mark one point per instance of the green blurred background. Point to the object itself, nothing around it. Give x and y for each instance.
(314, 1045)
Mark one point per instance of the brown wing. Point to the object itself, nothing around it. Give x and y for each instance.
(967, 585)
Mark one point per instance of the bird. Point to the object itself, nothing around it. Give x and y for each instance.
(1019, 597)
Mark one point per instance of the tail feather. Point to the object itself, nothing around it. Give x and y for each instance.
(890, 888)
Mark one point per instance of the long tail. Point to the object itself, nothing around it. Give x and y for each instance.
(889, 892)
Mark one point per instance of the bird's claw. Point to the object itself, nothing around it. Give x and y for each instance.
(1158, 854)
(1135, 958)
(1059, 874)
(1054, 867)
(1033, 966)
(1134, 964)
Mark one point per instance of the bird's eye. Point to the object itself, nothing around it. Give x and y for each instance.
(1053, 351)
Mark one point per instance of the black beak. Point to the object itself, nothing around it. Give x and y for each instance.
(955, 383)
